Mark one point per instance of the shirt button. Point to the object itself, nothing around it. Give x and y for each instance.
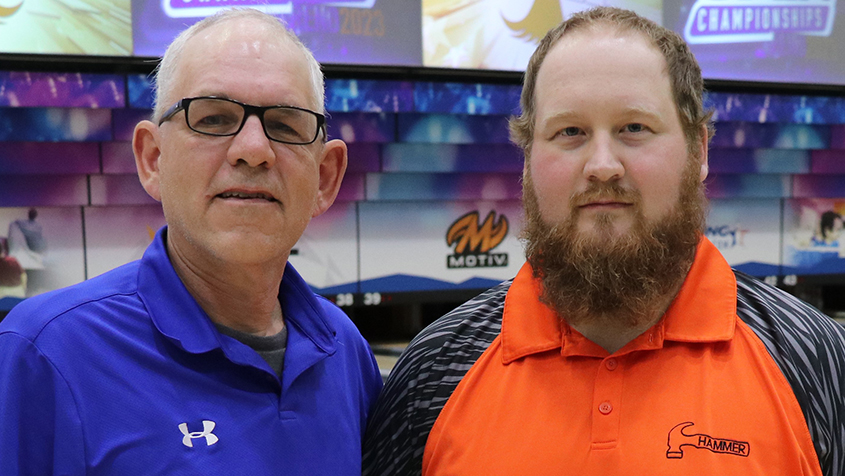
(605, 408)
(611, 364)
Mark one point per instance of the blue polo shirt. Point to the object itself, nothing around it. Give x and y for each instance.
(125, 374)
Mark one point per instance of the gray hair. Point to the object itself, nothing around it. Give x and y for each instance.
(166, 69)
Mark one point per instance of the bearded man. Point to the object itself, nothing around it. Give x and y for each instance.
(625, 344)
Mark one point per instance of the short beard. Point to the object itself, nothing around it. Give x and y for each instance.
(624, 280)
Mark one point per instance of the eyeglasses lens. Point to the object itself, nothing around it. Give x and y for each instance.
(222, 117)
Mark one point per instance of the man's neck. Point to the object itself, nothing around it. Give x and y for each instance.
(244, 298)
(612, 332)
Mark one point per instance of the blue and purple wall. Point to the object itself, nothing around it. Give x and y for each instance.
(429, 164)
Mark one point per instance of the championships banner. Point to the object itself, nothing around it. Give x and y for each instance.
(794, 41)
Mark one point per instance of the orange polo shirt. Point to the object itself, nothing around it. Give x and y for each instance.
(697, 394)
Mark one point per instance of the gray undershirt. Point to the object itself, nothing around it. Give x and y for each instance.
(270, 348)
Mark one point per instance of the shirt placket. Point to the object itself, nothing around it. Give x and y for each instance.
(607, 403)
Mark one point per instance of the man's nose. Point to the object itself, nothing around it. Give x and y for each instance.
(603, 162)
(251, 145)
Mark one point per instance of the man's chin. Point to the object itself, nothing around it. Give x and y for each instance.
(605, 231)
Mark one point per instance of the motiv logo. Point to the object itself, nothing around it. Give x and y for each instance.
(738, 21)
(473, 243)
(204, 8)
(678, 439)
(207, 428)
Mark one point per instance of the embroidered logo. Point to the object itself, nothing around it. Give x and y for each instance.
(678, 439)
(207, 428)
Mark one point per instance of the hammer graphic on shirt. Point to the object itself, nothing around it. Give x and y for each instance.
(678, 439)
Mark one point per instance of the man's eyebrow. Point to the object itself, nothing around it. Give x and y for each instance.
(640, 111)
(560, 116)
(630, 111)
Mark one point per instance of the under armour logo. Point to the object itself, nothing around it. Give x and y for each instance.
(207, 428)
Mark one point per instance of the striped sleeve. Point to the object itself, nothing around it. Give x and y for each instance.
(422, 381)
(809, 348)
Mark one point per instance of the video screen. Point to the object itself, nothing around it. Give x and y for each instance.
(380, 32)
(73, 27)
(501, 34)
(787, 41)
(776, 41)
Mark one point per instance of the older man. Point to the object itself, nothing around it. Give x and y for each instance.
(626, 344)
(210, 355)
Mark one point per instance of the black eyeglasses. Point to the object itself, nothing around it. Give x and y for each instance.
(215, 116)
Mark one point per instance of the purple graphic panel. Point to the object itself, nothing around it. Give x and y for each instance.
(362, 127)
(748, 186)
(118, 190)
(771, 108)
(33, 89)
(750, 161)
(43, 190)
(744, 107)
(453, 129)
(125, 121)
(49, 158)
(837, 137)
(55, 124)
(828, 161)
(421, 157)
(360, 95)
(118, 158)
(399, 186)
(818, 186)
(776, 136)
(352, 188)
(731, 161)
(464, 98)
(363, 157)
(139, 89)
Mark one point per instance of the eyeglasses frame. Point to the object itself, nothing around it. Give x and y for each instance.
(249, 110)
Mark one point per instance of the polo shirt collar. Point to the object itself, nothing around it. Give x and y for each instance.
(178, 316)
(703, 311)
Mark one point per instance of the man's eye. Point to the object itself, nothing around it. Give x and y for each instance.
(570, 131)
(634, 128)
(279, 127)
(215, 120)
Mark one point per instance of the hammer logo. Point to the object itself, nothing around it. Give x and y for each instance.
(678, 439)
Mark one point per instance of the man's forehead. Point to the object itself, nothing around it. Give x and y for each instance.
(219, 55)
(598, 47)
(248, 34)
(592, 36)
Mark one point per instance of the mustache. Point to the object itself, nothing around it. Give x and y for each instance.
(604, 191)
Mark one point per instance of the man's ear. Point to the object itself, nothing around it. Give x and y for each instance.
(703, 149)
(145, 145)
(332, 168)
